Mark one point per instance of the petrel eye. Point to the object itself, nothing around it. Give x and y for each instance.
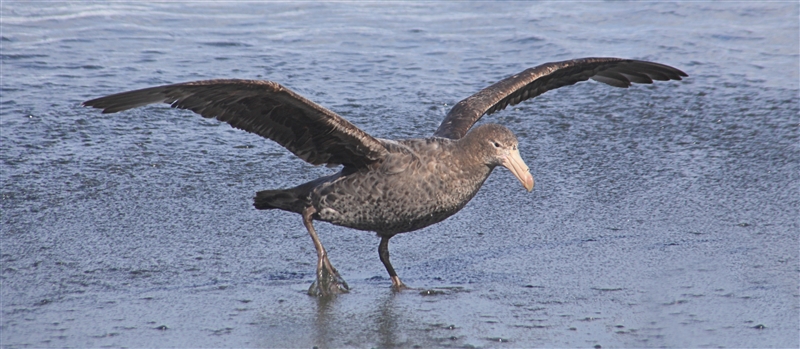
(496, 145)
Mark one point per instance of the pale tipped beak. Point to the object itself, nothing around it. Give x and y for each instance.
(514, 163)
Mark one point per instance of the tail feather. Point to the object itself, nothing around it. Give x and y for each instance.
(284, 199)
(294, 199)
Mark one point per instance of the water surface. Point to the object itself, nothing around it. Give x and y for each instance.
(663, 215)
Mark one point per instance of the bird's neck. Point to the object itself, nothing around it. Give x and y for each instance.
(470, 166)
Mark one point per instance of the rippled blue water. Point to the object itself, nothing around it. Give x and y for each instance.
(664, 215)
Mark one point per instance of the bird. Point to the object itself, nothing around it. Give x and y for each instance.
(384, 186)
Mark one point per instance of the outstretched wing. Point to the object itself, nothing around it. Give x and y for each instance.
(549, 76)
(313, 133)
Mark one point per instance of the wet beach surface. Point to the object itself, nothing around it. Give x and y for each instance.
(664, 215)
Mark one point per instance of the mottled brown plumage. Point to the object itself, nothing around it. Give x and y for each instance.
(385, 186)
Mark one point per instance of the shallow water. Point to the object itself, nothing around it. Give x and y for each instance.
(663, 215)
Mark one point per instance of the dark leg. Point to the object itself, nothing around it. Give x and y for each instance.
(383, 252)
(328, 279)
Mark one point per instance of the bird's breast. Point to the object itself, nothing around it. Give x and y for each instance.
(400, 197)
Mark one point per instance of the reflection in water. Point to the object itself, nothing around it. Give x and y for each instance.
(333, 325)
(323, 321)
(387, 322)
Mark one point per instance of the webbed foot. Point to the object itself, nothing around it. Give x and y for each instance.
(398, 285)
(328, 282)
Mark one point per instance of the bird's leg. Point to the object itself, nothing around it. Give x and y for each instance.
(383, 252)
(328, 281)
